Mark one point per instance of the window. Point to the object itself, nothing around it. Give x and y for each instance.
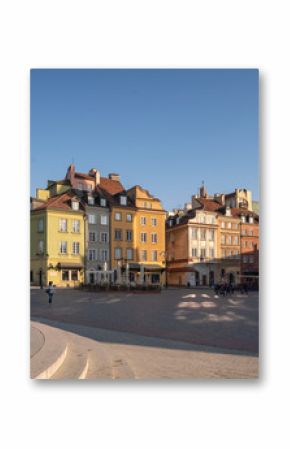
(223, 253)
(104, 255)
(63, 225)
(154, 255)
(76, 248)
(118, 253)
(202, 219)
(63, 247)
(123, 200)
(223, 239)
(129, 253)
(243, 219)
(65, 275)
(104, 220)
(74, 275)
(80, 186)
(194, 252)
(40, 225)
(251, 232)
(236, 240)
(154, 221)
(143, 237)
(92, 254)
(229, 239)
(194, 233)
(202, 234)
(245, 259)
(118, 216)
(210, 234)
(75, 205)
(89, 187)
(236, 225)
(118, 234)
(143, 255)
(92, 219)
(230, 253)
(129, 217)
(143, 220)
(244, 244)
(244, 232)
(104, 237)
(223, 224)
(103, 202)
(91, 200)
(229, 225)
(154, 237)
(202, 253)
(41, 246)
(251, 244)
(251, 259)
(76, 225)
(251, 220)
(211, 253)
(211, 219)
(129, 235)
(92, 236)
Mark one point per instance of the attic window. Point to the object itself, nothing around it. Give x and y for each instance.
(103, 202)
(228, 212)
(251, 219)
(243, 218)
(91, 200)
(75, 205)
(123, 200)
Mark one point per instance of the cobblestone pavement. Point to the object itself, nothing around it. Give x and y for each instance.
(186, 315)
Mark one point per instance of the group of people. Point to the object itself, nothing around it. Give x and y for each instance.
(228, 289)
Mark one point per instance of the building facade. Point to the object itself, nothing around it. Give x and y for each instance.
(57, 242)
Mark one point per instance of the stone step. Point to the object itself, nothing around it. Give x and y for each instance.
(75, 365)
(51, 354)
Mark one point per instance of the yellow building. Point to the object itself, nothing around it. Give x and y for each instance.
(57, 240)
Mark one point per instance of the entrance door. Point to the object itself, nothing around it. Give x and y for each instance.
(91, 278)
(204, 279)
(211, 278)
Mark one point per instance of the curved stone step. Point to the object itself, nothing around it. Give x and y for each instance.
(45, 362)
(75, 365)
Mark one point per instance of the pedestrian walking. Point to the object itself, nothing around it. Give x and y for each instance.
(50, 292)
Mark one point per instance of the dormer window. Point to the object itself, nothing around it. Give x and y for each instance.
(91, 200)
(243, 219)
(123, 200)
(75, 205)
(228, 212)
(103, 202)
(251, 219)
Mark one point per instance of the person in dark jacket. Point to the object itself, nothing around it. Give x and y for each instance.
(50, 292)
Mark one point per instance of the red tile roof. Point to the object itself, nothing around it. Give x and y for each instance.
(111, 186)
(59, 202)
(209, 205)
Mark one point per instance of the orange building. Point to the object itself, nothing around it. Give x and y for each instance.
(149, 235)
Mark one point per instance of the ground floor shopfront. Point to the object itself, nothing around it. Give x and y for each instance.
(60, 274)
(129, 274)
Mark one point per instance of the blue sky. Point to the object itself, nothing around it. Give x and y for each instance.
(166, 130)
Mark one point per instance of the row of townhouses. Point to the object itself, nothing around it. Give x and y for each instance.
(89, 229)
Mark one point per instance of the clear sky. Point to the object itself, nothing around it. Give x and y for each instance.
(166, 130)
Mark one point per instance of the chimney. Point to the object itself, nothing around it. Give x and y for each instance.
(220, 198)
(114, 176)
(70, 174)
(96, 174)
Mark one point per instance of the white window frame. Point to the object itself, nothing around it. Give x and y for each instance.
(76, 248)
(154, 221)
(74, 226)
(106, 235)
(103, 202)
(118, 214)
(119, 250)
(123, 200)
(143, 220)
(154, 253)
(41, 246)
(104, 220)
(91, 200)
(92, 254)
(63, 247)
(129, 250)
(92, 219)
(143, 237)
(92, 233)
(75, 205)
(154, 238)
(63, 221)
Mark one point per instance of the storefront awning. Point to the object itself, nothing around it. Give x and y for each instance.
(71, 266)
